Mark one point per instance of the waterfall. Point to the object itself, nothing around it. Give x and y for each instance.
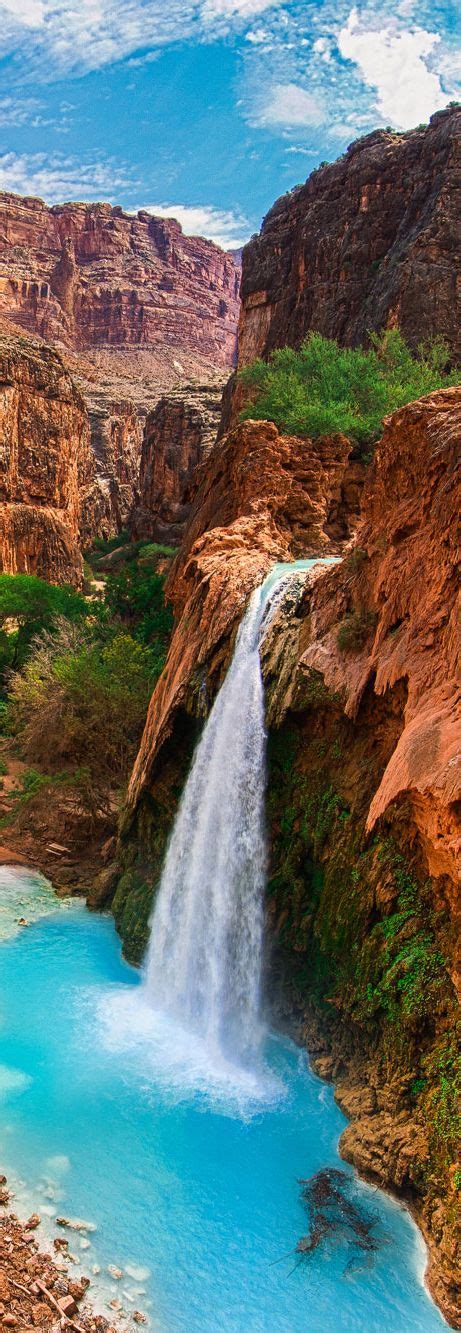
(205, 954)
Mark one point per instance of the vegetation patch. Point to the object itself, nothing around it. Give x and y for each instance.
(322, 388)
(78, 674)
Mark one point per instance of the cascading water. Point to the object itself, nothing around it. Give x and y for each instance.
(204, 959)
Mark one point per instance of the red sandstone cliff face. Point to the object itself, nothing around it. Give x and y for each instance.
(405, 579)
(46, 463)
(89, 275)
(368, 242)
(138, 310)
(179, 435)
(263, 497)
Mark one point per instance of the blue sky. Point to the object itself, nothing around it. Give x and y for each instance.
(208, 109)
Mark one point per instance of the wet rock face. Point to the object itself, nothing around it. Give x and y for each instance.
(46, 463)
(178, 437)
(367, 243)
(90, 276)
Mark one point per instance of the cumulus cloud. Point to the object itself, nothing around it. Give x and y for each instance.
(394, 63)
(287, 104)
(57, 178)
(227, 229)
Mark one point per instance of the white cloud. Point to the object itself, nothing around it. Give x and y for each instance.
(395, 64)
(227, 229)
(29, 12)
(56, 37)
(257, 36)
(58, 178)
(19, 111)
(213, 9)
(287, 104)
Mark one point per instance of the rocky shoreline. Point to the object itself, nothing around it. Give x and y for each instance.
(36, 1290)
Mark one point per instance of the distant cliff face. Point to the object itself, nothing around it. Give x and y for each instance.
(46, 463)
(89, 276)
(367, 243)
(178, 437)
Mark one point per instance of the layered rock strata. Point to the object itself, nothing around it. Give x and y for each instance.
(136, 308)
(90, 275)
(46, 462)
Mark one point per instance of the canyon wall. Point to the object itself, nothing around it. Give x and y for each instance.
(90, 275)
(137, 310)
(178, 436)
(370, 241)
(46, 462)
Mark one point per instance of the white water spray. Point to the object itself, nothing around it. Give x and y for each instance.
(205, 955)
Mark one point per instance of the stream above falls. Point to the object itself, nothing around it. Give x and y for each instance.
(189, 1176)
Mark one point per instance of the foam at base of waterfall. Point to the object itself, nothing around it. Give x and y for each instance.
(183, 1064)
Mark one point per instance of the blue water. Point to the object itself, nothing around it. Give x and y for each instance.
(189, 1175)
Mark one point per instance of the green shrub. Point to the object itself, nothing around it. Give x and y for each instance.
(29, 605)
(136, 597)
(82, 703)
(321, 388)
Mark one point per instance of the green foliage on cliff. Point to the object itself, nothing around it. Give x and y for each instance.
(322, 388)
(354, 631)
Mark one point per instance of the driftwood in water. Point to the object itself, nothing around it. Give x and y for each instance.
(333, 1216)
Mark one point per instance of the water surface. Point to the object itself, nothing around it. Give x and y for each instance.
(189, 1173)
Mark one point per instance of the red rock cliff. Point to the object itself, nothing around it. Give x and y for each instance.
(398, 596)
(89, 275)
(46, 463)
(137, 309)
(368, 242)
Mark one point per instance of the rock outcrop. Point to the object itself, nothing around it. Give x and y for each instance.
(90, 275)
(178, 436)
(263, 497)
(370, 241)
(46, 463)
